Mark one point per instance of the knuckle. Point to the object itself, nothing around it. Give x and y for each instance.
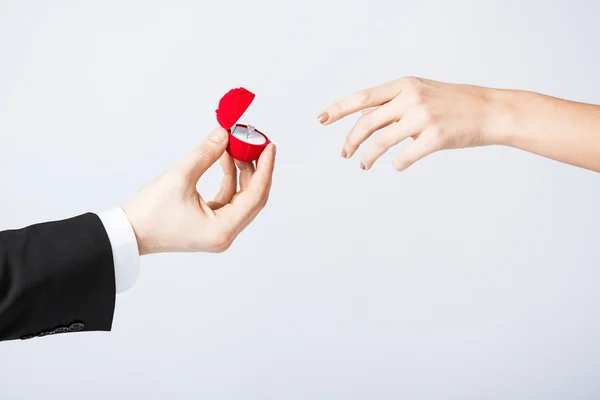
(414, 90)
(418, 98)
(365, 97)
(402, 162)
(207, 152)
(352, 141)
(411, 82)
(436, 131)
(336, 109)
(366, 123)
(399, 165)
(381, 141)
(425, 115)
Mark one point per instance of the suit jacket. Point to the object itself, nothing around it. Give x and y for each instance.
(56, 277)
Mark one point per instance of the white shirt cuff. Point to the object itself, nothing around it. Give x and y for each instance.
(126, 256)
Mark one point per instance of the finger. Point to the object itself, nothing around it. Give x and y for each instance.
(205, 155)
(390, 137)
(365, 112)
(367, 98)
(215, 205)
(373, 121)
(229, 181)
(426, 143)
(246, 172)
(249, 202)
(262, 178)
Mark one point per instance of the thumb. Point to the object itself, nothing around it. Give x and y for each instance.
(206, 154)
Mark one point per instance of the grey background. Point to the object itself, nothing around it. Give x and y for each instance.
(474, 274)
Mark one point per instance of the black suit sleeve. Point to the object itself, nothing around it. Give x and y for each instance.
(56, 277)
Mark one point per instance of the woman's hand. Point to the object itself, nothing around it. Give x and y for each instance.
(169, 215)
(436, 115)
(442, 116)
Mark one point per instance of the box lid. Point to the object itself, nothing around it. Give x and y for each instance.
(232, 106)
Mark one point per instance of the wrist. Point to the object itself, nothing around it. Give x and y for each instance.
(500, 125)
(137, 223)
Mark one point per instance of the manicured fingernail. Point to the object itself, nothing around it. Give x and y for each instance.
(344, 154)
(323, 117)
(217, 136)
(362, 166)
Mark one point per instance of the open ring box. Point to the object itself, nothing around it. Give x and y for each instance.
(246, 143)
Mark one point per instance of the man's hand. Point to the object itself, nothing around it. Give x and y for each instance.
(169, 215)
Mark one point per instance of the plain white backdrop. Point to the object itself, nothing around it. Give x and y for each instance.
(474, 274)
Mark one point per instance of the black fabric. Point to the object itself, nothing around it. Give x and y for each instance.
(56, 277)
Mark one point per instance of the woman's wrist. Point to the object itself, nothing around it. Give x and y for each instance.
(501, 127)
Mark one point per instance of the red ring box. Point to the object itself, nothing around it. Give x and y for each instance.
(245, 142)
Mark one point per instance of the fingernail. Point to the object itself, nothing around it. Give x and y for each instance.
(323, 117)
(344, 154)
(217, 136)
(362, 166)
